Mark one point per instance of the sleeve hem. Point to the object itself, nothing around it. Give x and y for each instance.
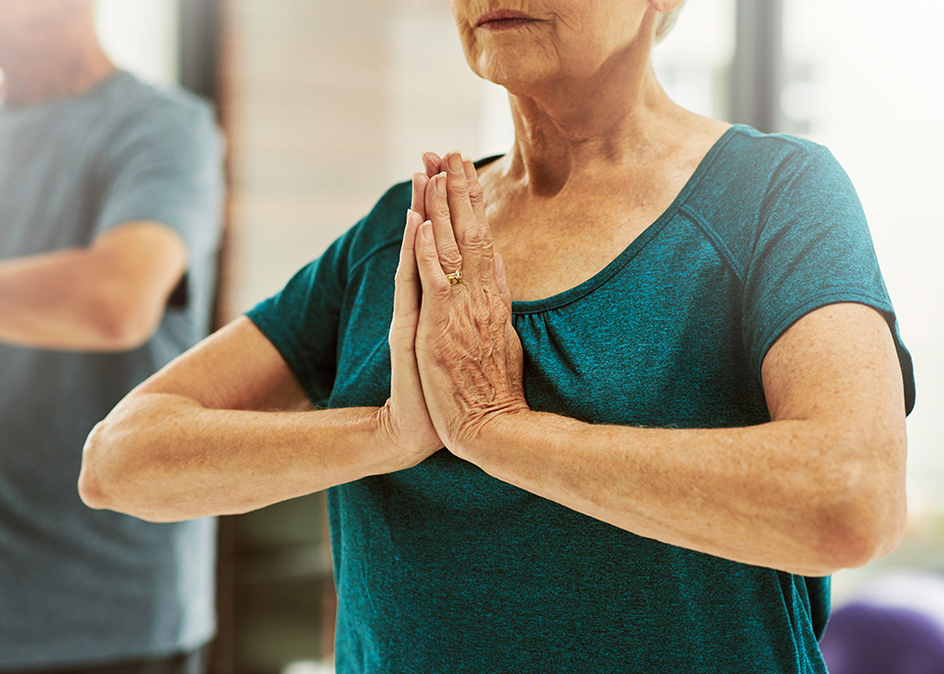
(285, 343)
(787, 318)
(839, 296)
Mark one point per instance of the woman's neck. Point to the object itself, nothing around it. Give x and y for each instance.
(617, 116)
(589, 128)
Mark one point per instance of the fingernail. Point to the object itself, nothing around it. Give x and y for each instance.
(426, 231)
(440, 181)
(469, 168)
(455, 162)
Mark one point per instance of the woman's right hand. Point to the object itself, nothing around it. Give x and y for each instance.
(405, 418)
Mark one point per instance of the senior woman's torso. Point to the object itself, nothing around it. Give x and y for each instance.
(444, 564)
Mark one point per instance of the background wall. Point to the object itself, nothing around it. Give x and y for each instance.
(331, 104)
(141, 36)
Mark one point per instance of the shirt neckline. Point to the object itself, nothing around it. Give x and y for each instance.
(632, 250)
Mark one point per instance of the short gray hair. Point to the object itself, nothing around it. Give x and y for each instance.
(665, 22)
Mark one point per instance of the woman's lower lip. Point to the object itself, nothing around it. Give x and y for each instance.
(504, 24)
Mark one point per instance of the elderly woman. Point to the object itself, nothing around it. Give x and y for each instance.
(635, 391)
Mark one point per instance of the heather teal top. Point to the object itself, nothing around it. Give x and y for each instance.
(442, 568)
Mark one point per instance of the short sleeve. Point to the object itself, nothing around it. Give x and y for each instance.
(813, 248)
(303, 319)
(164, 164)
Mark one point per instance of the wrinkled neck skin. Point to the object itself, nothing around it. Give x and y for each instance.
(61, 68)
(619, 117)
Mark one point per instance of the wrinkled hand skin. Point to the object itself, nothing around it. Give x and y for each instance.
(468, 353)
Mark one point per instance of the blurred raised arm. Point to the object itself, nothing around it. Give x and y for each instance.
(109, 296)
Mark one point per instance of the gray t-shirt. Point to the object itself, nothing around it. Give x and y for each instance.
(79, 586)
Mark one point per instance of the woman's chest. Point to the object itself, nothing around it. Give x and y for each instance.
(552, 246)
(654, 340)
(545, 263)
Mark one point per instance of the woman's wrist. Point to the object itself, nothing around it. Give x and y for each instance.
(493, 434)
(396, 447)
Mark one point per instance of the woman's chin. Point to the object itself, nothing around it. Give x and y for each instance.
(518, 75)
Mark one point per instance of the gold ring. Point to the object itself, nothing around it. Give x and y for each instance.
(455, 277)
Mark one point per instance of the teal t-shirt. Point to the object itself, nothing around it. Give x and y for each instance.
(442, 568)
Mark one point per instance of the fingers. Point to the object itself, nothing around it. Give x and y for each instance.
(406, 410)
(476, 196)
(432, 164)
(418, 202)
(438, 213)
(435, 285)
(464, 220)
(406, 297)
(456, 208)
(468, 217)
(431, 167)
(502, 281)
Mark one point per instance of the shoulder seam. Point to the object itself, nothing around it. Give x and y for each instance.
(806, 146)
(717, 242)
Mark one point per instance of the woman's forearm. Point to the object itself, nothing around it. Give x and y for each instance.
(164, 457)
(790, 495)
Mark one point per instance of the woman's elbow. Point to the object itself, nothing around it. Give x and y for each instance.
(96, 479)
(124, 465)
(109, 479)
(867, 521)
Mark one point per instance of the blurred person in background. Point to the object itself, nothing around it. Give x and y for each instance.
(110, 202)
(618, 401)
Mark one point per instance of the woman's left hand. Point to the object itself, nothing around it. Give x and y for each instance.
(468, 353)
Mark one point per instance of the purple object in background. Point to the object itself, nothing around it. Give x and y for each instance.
(868, 638)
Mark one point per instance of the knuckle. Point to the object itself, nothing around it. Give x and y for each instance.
(439, 289)
(460, 187)
(483, 314)
(440, 210)
(450, 258)
(476, 195)
(429, 257)
(400, 342)
(478, 238)
(474, 236)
